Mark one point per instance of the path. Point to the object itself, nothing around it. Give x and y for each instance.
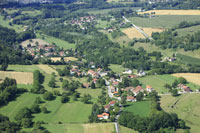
(138, 28)
(116, 127)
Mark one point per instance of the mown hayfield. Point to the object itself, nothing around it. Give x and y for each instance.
(133, 33)
(126, 130)
(149, 31)
(163, 21)
(186, 106)
(58, 42)
(47, 69)
(21, 77)
(10, 110)
(141, 108)
(33, 42)
(173, 12)
(81, 128)
(191, 77)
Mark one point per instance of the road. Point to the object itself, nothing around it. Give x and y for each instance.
(116, 127)
(138, 28)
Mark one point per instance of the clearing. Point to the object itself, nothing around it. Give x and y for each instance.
(33, 42)
(133, 33)
(141, 108)
(172, 12)
(191, 77)
(186, 106)
(21, 77)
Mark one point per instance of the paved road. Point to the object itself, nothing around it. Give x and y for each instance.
(138, 28)
(116, 127)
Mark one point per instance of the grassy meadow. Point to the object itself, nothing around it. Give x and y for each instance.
(141, 108)
(186, 106)
(163, 21)
(126, 130)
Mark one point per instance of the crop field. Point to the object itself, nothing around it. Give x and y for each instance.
(188, 59)
(133, 33)
(33, 42)
(173, 12)
(191, 77)
(21, 77)
(81, 128)
(58, 42)
(186, 106)
(47, 69)
(141, 108)
(149, 31)
(163, 21)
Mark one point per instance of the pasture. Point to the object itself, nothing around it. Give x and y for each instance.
(133, 33)
(185, 59)
(172, 12)
(58, 42)
(186, 107)
(23, 68)
(47, 69)
(126, 130)
(191, 77)
(141, 108)
(189, 30)
(21, 77)
(163, 21)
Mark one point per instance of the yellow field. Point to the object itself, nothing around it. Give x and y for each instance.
(133, 33)
(191, 77)
(47, 69)
(65, 59)
(21, 77)
(149, 31)
(173, 12)
(40, 42)
(99, 128)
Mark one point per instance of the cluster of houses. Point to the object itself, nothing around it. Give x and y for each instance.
(105, 114)
(169, 59)
(44, 50)
(83, 20)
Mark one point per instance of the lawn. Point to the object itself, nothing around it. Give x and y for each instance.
(141, 108)
(58, 42)
(117, 68)
(186, 106)
(163, 21)
(126, 130)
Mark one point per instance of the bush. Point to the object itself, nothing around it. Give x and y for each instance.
(48, 96)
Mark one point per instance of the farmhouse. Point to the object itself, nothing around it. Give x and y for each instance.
(149, 88)
(137, 90)
(132, 76)
(103, 116)
(129, 88)
(107, 107)
(130, 99)
(127, 72)
(112, 103)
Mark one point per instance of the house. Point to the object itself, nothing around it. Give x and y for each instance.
(62, 53)
(137, 90)
(149, 88)
(95, 80)
(115, 83)
(127, 72)
(132, 76)
(86, 85)
(112, 103)
(129, 88)
(130, 99)
(107, 107)
(141, 73)
(186, 89)
(103, 116)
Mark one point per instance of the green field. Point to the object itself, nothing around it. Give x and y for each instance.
(186, 106)
(158, 82)
(163, 21)
(126, 130)
(141, 108)
(5, 23)
(58, 42)
(188, 59)
(117, 68)
(188, 30)
(23, 68)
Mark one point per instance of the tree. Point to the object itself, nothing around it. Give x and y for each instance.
(174, 92)
(48, 96)
(93, 86)
(167, 86)
(139, 96)
(64, 98)
(27, 122)
(86, 98)
(182, 124)
(38, 100)
(4, 66)
(182, 80)
(44, 109)
(35, 108)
